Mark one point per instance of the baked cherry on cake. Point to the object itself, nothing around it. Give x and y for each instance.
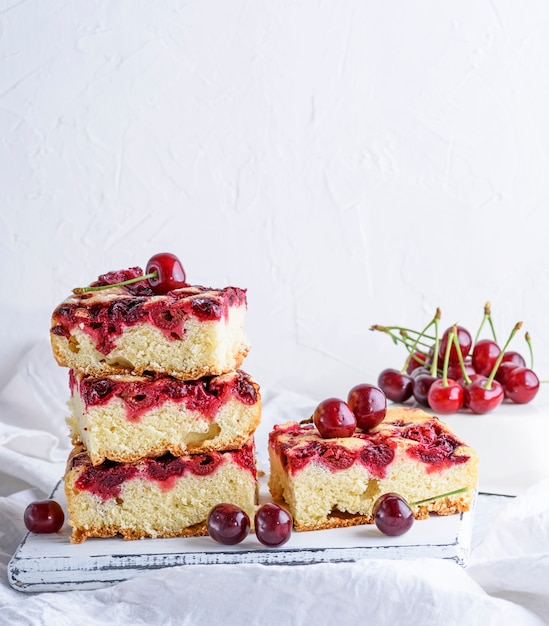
(124, 418)
(335, 482)
(188, 332)
(163, 497)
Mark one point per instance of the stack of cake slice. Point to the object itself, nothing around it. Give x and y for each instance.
(162, 418)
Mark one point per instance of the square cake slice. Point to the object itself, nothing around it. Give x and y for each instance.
(329, 483)
(187, 333)
(164, 497)
(124, 418)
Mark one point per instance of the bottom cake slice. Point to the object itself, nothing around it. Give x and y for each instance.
(163, 497)
(329, 483)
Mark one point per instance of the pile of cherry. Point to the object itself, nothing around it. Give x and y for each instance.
(455, 372)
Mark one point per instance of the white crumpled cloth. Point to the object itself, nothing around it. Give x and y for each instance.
(506, 582)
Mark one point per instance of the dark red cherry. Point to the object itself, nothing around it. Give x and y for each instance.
(465, 342)
(420, 371)
(44, 516)
(170, 273)
(395, 385)
(392, 515)
(482, 398)
(273, 525)
(421, 387)
(369, 405)
(334, 418)
(228, 524)
(485, 355)
(522, 385)
(447, 398)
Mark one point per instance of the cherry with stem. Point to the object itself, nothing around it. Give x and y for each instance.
(487, 394)
(422, 382)
(446, 395)
(393, 516)
(164, 272)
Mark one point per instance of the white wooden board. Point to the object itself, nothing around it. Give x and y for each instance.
(51, 563)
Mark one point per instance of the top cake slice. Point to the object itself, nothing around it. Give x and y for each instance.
(187, 333)
(328, 483)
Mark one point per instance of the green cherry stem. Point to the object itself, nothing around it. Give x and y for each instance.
(466, 376)
(434, 364)
(529, 342)
(80, 290)
(486, 318)
(401, 337)
(411, 353)
(443, 495)
(451, 335)
(488, 382)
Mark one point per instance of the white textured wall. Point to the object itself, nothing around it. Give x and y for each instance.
(349, 162)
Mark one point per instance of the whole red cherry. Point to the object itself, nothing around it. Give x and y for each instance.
(465, 342)
(445, 396)
(333, 418)
(483, 397)
(369, 405)
(522, 385)
(169, 273)
(44, 516)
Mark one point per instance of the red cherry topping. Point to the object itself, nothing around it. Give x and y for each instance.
(165, 273)
(333, 418)
(369, 405)
(44, 516)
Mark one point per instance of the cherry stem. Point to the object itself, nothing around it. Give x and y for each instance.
(443, 495)
(434, 364)
(386, 329)
(529, 342)
(466, 376)
(402, 337)
(412, 350)
(80, 290)
(451, 335)
(488, 383)
(487, 317)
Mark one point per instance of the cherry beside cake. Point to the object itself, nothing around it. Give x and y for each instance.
(124, 418)
(334, 482)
